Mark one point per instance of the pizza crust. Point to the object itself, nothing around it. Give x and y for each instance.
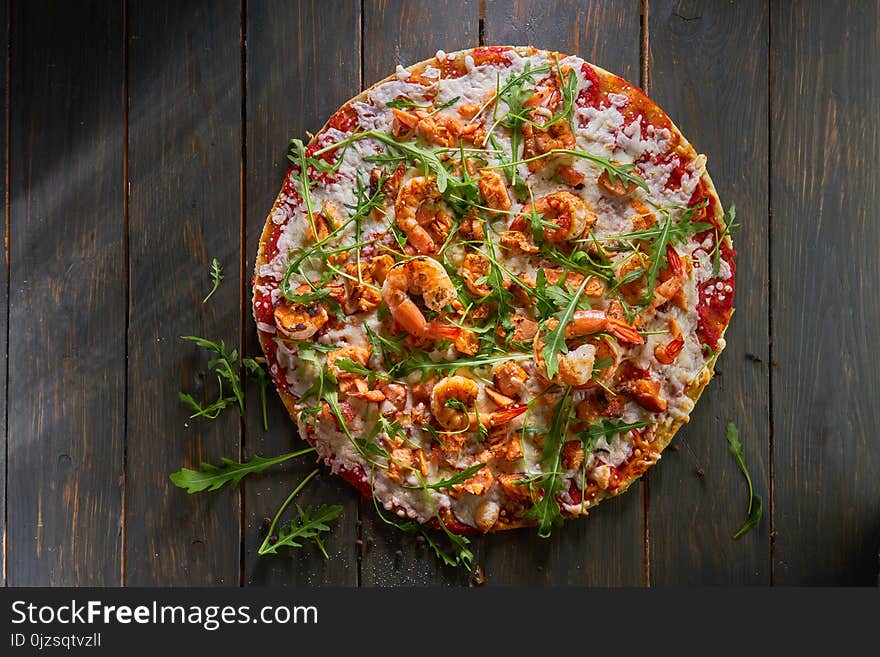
(665, 431)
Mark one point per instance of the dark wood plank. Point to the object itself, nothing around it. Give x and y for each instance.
(184, 210)
(824, 195)
(4, 274)
(67, 296)
(286, 100)
(395, 33)
(692, 518)
(606, 548)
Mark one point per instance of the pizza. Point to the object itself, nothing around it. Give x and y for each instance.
(493, 287)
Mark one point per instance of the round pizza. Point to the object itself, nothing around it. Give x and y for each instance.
(492, 288)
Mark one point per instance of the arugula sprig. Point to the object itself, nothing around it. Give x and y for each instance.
(546, 511)
(607, 429)
(211, 477)
(756, 502)
(216, 277)
(728, 220)
(554, 342)
(259, 374)
(308, 524)
(458, 478)
(225, 365)
(405, 103)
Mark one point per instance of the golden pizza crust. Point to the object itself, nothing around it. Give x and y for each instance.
(667, 429)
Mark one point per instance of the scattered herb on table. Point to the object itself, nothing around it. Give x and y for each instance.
(308, 524)
(212, 477)
(756, 502)
(216, 276)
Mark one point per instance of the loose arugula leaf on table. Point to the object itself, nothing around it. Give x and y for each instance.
(212, 410)
(216, 276)
(459, 554)
(756, 502)
(212, 477)
(546, 510)
(225, 365)
(308, 524)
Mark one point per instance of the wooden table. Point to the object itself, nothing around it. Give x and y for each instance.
(146, 138)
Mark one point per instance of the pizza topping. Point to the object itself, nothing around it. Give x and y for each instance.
(426, 278)
(300, 321)
(483, 269)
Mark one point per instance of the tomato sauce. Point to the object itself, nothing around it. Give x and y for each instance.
(716, 303)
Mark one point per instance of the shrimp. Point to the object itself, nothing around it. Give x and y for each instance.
(418, 205)
(576, 367)
(424, 277)
(299, 321)
(493, 190)
(451, 401)
(667, 353)
(509, 378)
(678, 276)
(571, 215)
(453, 405)
(474, 268)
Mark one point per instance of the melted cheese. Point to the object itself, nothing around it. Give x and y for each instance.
(601, 131)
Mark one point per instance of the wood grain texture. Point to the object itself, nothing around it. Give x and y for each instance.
(607, 548)
(67, 296)
(720, 102)
(825, 150)
(4, 277)
(184, 210)
(406, 32)
(290, 91)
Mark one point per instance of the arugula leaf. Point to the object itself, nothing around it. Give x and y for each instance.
(546, 511)
(554, 343)
(421, 361)
(297, 155)
(225, 366)
(460, 554)
(216, 276)
(756, 502)
(406, 103)
(212, 410)
(309, 523)
(457, 478)
(607, 429)
(658, 258)
(212, 477)
(728, 220)
(427, 158)
(259, 374)
(757, 509)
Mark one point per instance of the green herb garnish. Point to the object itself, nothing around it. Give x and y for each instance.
(756, 502)
(308, 524)
(216, 276)
(212, 477)
(546, 510)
